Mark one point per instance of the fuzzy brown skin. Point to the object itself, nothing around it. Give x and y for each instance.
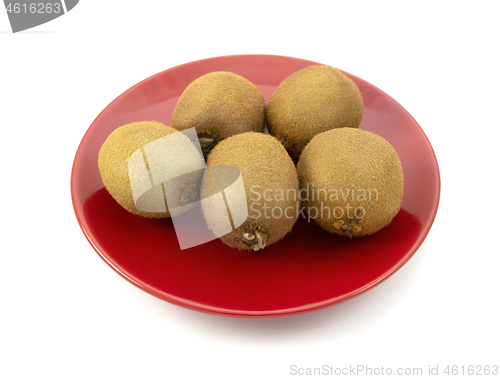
(311, 101)
(264, 165)
(113, 160)
(219, 105)
(351, 159)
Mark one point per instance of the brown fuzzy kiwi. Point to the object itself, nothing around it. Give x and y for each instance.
(311, 101)
(271, 188)
(219, 105)
(130, 141)
(352, 180)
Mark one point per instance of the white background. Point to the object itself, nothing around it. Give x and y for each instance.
(65, 314)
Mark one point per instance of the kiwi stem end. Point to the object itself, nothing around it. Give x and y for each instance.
(347, 229)
(256, 239)
(207, 144)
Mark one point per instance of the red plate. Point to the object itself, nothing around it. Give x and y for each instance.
(308, 270)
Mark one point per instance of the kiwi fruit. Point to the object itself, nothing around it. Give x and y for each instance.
(219, 105)
(135, 160)
(271, 189)
(351, 181)
(311, 101)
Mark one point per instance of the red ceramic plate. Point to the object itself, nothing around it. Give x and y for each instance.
(308, 270)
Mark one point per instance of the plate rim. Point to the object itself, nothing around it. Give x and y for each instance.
(204, 308)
